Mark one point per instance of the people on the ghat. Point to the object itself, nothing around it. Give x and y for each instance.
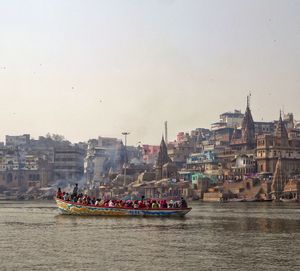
(84, 199)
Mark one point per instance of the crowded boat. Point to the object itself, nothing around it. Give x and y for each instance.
(85, 200)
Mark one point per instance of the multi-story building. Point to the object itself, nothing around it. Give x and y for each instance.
(17, 140)
(180, 152)
(243, 165)
(68, 163)
(105, 155)
(201, 161)
(19, 172)
(229, 120)
(272, 146)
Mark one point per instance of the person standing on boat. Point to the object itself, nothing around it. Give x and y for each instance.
(183, 203)
(59, 194)
(75, 190)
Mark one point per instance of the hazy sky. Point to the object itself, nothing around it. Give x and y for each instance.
(88, 68)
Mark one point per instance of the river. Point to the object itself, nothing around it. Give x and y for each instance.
(228, 236)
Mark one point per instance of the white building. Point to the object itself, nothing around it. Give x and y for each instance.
(17, 140)
(229, 119)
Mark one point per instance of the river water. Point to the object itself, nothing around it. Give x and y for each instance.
(228, 236)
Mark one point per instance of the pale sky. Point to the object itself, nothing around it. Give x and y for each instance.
(89, 68)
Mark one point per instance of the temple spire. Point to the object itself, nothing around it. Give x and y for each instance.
(281, 134)
(163, 156)
(248, 128)
(279, 179)
(162, 159)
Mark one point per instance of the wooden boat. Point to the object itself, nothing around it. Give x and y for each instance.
(71, 208)
(288, 200)
(250, 199)
(236, 200)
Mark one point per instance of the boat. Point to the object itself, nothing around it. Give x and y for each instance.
(72, 208)
(250, 199)
(288, 200)
(236, 200)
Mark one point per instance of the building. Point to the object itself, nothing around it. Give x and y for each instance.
(262, 127)
(243, 165)
(94, 164)
(271, 147)
(180, 150)
(223, 135)
(104, 156)
(18, 172)
(229, 119)
(245, 139)
(164, 167)
(201, 161)
(68, 164)
(17, 140)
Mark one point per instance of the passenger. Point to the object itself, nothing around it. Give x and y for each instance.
(111, 204)
(141, 204)
(155, 205)
(75, 190)
(65, 197)
(171, 203)
(101, 203)
(164, 204)
(183, 203)
(129, 204)
(59, 194)
(136, 205)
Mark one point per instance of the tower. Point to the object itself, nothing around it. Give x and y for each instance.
(248, 128)
(281, 135)
(163, 158)
(279, 180)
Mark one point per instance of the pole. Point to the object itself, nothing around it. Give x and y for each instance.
(166, 131)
